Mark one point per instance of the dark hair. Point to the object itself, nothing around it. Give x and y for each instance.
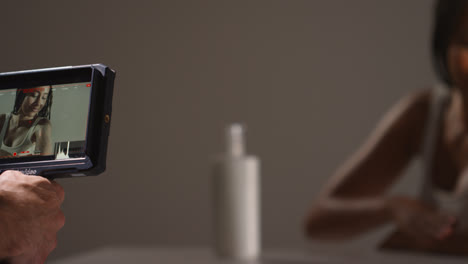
(22, 93)
(447, 18)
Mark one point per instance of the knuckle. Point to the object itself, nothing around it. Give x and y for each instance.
(10, 174)
(26, 186)
(60, 191)
(41, 181)
(60, 219)
(7, 173)
(59, 187)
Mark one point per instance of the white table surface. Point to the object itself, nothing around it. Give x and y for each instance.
(157, 254)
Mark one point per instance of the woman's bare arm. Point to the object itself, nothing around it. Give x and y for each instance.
(3, 153)
(43, 137)
(354, 199)
(2, 120)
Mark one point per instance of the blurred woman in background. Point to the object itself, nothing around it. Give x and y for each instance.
(432, 124)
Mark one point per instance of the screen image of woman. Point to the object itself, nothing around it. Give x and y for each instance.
(27, 129)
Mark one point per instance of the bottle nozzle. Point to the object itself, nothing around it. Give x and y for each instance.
(235, 140)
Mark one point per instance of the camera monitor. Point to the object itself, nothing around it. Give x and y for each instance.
(55, 122)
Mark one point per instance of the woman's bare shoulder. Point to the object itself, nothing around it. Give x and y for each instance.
(44, 127)
(417, 102)
(44, 122)
(410, 112)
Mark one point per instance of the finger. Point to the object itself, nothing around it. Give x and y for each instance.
(46, 248)
(48, 190)
(59, 219)
(445, 233)
(438, 229)
(50, 200)
(52, 186)
(422, 230)
(452, 220)
(441, 225)
(447, 227)
(52, 245)
(13, 175)
(39, 181)
(59, 190)
(48, 244)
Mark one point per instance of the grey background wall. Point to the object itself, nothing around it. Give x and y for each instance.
(69, 112)
(309, 78)
(8, 100)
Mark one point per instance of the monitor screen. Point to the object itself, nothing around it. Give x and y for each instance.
(46, 120)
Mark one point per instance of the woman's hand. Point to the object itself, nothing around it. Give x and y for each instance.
(423, 223)
(30, 217)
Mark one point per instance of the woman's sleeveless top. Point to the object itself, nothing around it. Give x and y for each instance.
(26, 148)
(450, 202)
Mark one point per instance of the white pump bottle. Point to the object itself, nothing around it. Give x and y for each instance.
(236, 194)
